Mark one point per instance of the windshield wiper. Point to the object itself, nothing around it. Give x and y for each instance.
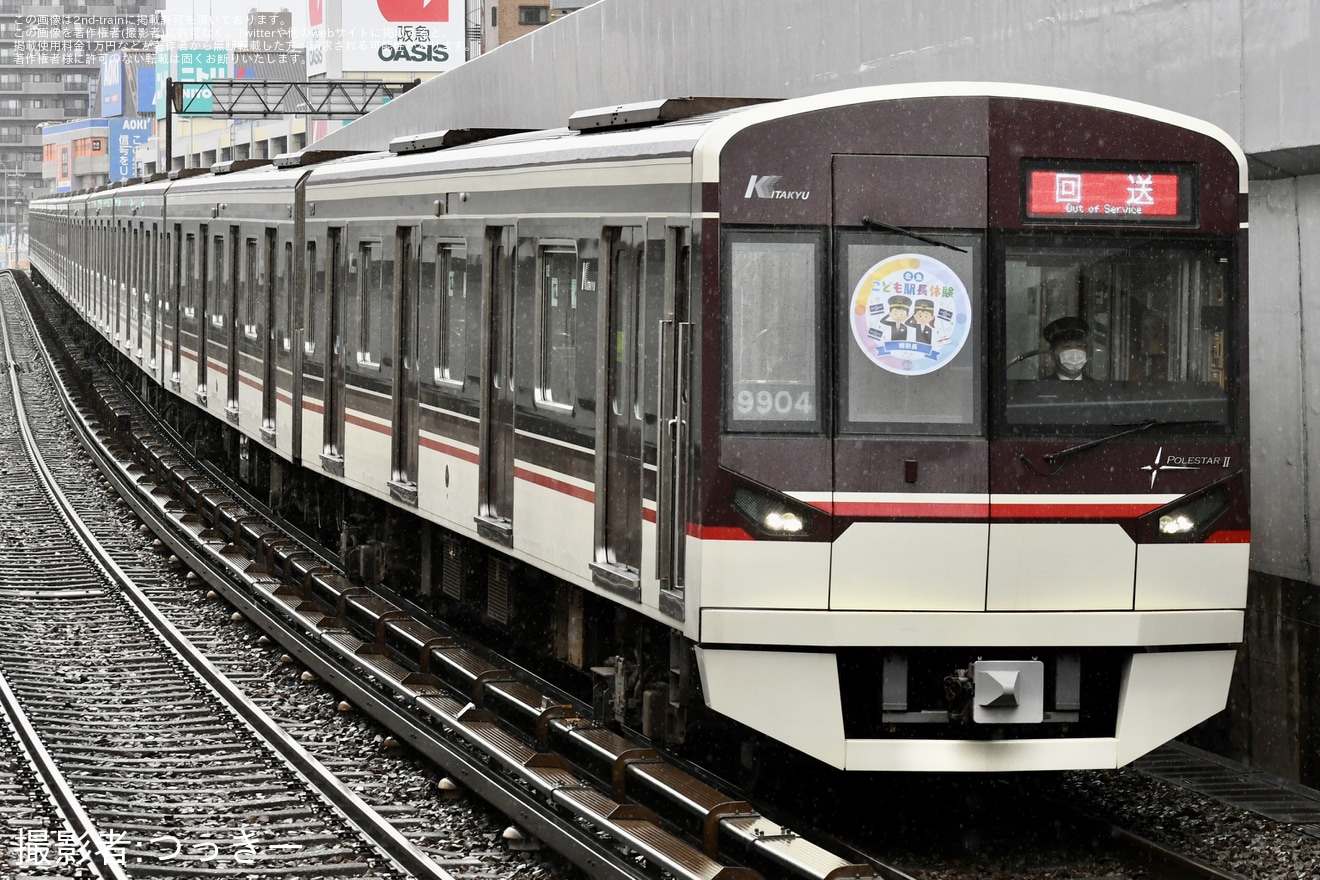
(867, 220)
(1057, 458)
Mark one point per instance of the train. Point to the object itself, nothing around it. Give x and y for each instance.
(904, 427)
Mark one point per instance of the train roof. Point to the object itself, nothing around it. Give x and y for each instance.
(699, 138)
(721, 131)
(702, 137)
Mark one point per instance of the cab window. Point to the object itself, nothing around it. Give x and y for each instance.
(773, 350)
(909, 355)
(1138, 326)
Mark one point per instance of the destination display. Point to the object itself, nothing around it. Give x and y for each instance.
(1128, 194)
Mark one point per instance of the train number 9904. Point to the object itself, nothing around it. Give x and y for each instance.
(759, 400)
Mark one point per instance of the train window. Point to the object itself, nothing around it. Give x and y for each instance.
(772, 284)
(247, 304)
(449, 366)
(189, 277)
(1148, 316)
(909, 359)
(314, 344)
(558, 301)
(284, 302)
(375, 291)
(216, 270)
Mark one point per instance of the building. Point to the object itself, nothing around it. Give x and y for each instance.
(507, 20)
(49, 58)
(270, 31)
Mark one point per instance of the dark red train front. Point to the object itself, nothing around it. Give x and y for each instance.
(976, 495)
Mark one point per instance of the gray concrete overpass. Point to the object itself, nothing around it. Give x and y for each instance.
(1250, 66)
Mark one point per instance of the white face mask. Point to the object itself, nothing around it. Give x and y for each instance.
(1072, 359)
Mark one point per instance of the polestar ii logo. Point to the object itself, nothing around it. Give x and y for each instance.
(765, 187)
(1183, 463)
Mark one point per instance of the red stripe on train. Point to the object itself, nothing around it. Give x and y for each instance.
(456, 452)
(998, 512)
(582, 494)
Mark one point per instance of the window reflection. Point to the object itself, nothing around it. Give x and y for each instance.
(1155, 318)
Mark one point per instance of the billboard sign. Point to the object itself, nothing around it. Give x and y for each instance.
(403, 35)
(146, 89)
(112, 84)
(163, 72)
(198, 65)
(317, 63)
(64, 173)
(126, 135)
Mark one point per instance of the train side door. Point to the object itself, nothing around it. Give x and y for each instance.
(206, 275)
(911, 453)
(152, 298)
(495, 479)
(272, 327)
(174, 306)
(619, 445)
(133, 328)
(240, 289)
(673, 439)
(405, 383)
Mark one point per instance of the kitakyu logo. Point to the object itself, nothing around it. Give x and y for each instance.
(414, 10)
(1174, 462)
(766, 186)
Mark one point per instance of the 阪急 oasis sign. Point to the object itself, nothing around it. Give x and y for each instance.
(393, 35)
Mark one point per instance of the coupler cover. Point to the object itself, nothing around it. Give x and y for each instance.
(1008, 691)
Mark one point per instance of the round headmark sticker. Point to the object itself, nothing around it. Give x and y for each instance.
(910, 314)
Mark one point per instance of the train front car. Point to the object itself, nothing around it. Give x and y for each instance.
(976, 498)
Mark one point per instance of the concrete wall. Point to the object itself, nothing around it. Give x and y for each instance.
(1285, 376)
(1243, 64)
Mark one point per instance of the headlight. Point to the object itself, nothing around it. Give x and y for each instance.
(771, 516)
(1177, 524)
(1192, 518)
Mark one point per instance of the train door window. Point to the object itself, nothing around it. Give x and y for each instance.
(643, 318)
(584, 382)
(451, 314)
(336, 339)
(1151, 315)
(132, 281)
(188, 278)
(248, 291)
(909, 334)
(650, 312)
(219, 306)
(557, 301)
(140, 286)
(283, 301)
(121, 283)
(314, 345)
(375, 313)
(772, 370)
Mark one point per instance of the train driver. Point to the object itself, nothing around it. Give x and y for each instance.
(1067, 338)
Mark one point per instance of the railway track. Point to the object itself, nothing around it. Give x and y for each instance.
(157, 764)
